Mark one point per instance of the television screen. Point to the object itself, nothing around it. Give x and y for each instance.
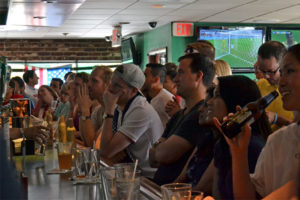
(287, 37)
(128, 51)
(237, 46)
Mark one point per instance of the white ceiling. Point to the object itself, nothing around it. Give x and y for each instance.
(96, 18)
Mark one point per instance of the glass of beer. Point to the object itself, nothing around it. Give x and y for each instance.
(176, 191)
(65, 155)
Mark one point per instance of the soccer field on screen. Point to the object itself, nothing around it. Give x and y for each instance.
(238, 52)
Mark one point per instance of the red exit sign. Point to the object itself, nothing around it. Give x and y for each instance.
(183, 29)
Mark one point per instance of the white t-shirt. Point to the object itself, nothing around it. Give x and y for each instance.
(143, 126)
(279, 160)
(32, 94)
(159, 103)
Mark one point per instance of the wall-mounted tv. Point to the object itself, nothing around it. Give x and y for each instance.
(286, 36)
(128, 52)
(238, 46)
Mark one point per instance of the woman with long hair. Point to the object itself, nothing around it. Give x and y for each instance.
(231, 92)
(278, 163)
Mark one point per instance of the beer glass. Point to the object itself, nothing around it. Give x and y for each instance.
(176, 191)
(65, 155)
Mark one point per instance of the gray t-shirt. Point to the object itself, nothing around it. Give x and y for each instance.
(143, 126)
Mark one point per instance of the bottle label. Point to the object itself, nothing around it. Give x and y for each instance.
(242, 116)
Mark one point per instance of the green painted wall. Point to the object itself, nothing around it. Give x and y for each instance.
(179, 45)
(152, 40)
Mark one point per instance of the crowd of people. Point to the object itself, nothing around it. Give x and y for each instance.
(168, 118)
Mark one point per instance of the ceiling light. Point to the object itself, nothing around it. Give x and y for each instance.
(14, 28)
(267, 21)
(157, 6)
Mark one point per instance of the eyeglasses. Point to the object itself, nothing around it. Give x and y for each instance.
(270, 73)
(191, 50)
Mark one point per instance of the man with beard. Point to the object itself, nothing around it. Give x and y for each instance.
(90, 121)
(153, 88)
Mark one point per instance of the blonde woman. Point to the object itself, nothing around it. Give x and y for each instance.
(222, 69)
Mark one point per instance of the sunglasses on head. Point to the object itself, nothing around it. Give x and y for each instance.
(191, 50)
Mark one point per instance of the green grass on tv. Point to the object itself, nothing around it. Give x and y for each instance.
(237, 52)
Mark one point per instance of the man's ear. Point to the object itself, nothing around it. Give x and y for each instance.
(134, 90)
(174, 86)
(157, 79)
(199, 76)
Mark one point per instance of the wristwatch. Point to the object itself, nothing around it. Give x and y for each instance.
(85, 117)
(105, 116)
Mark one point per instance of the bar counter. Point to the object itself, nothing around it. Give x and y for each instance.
(58, 186)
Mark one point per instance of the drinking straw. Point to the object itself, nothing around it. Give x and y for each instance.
(134, 170)
(133, 176)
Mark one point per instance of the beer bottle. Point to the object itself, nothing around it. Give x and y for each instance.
(71, 130)
(49, 120)
(62, 129)
(251, 112)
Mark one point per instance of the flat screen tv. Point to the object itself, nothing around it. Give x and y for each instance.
(288, 37)
(128, 52)
(238, 46)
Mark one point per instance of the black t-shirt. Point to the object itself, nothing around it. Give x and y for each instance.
(187, 127)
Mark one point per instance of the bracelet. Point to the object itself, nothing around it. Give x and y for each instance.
(275, 119)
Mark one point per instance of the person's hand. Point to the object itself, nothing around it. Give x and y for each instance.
(271, 116)
(38, 133)
(172, 107)
(239, 144)
(84, 101)
(110, 100)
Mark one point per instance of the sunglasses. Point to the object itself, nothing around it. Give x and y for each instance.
(191, 50)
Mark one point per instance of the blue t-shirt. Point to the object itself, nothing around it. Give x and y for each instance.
(203, 156)
(222, 161)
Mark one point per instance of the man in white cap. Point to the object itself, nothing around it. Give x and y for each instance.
(133, 126)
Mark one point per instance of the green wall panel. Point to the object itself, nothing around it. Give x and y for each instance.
(155, 39)
(179, 45)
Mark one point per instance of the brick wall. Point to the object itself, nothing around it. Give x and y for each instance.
(58, 49)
